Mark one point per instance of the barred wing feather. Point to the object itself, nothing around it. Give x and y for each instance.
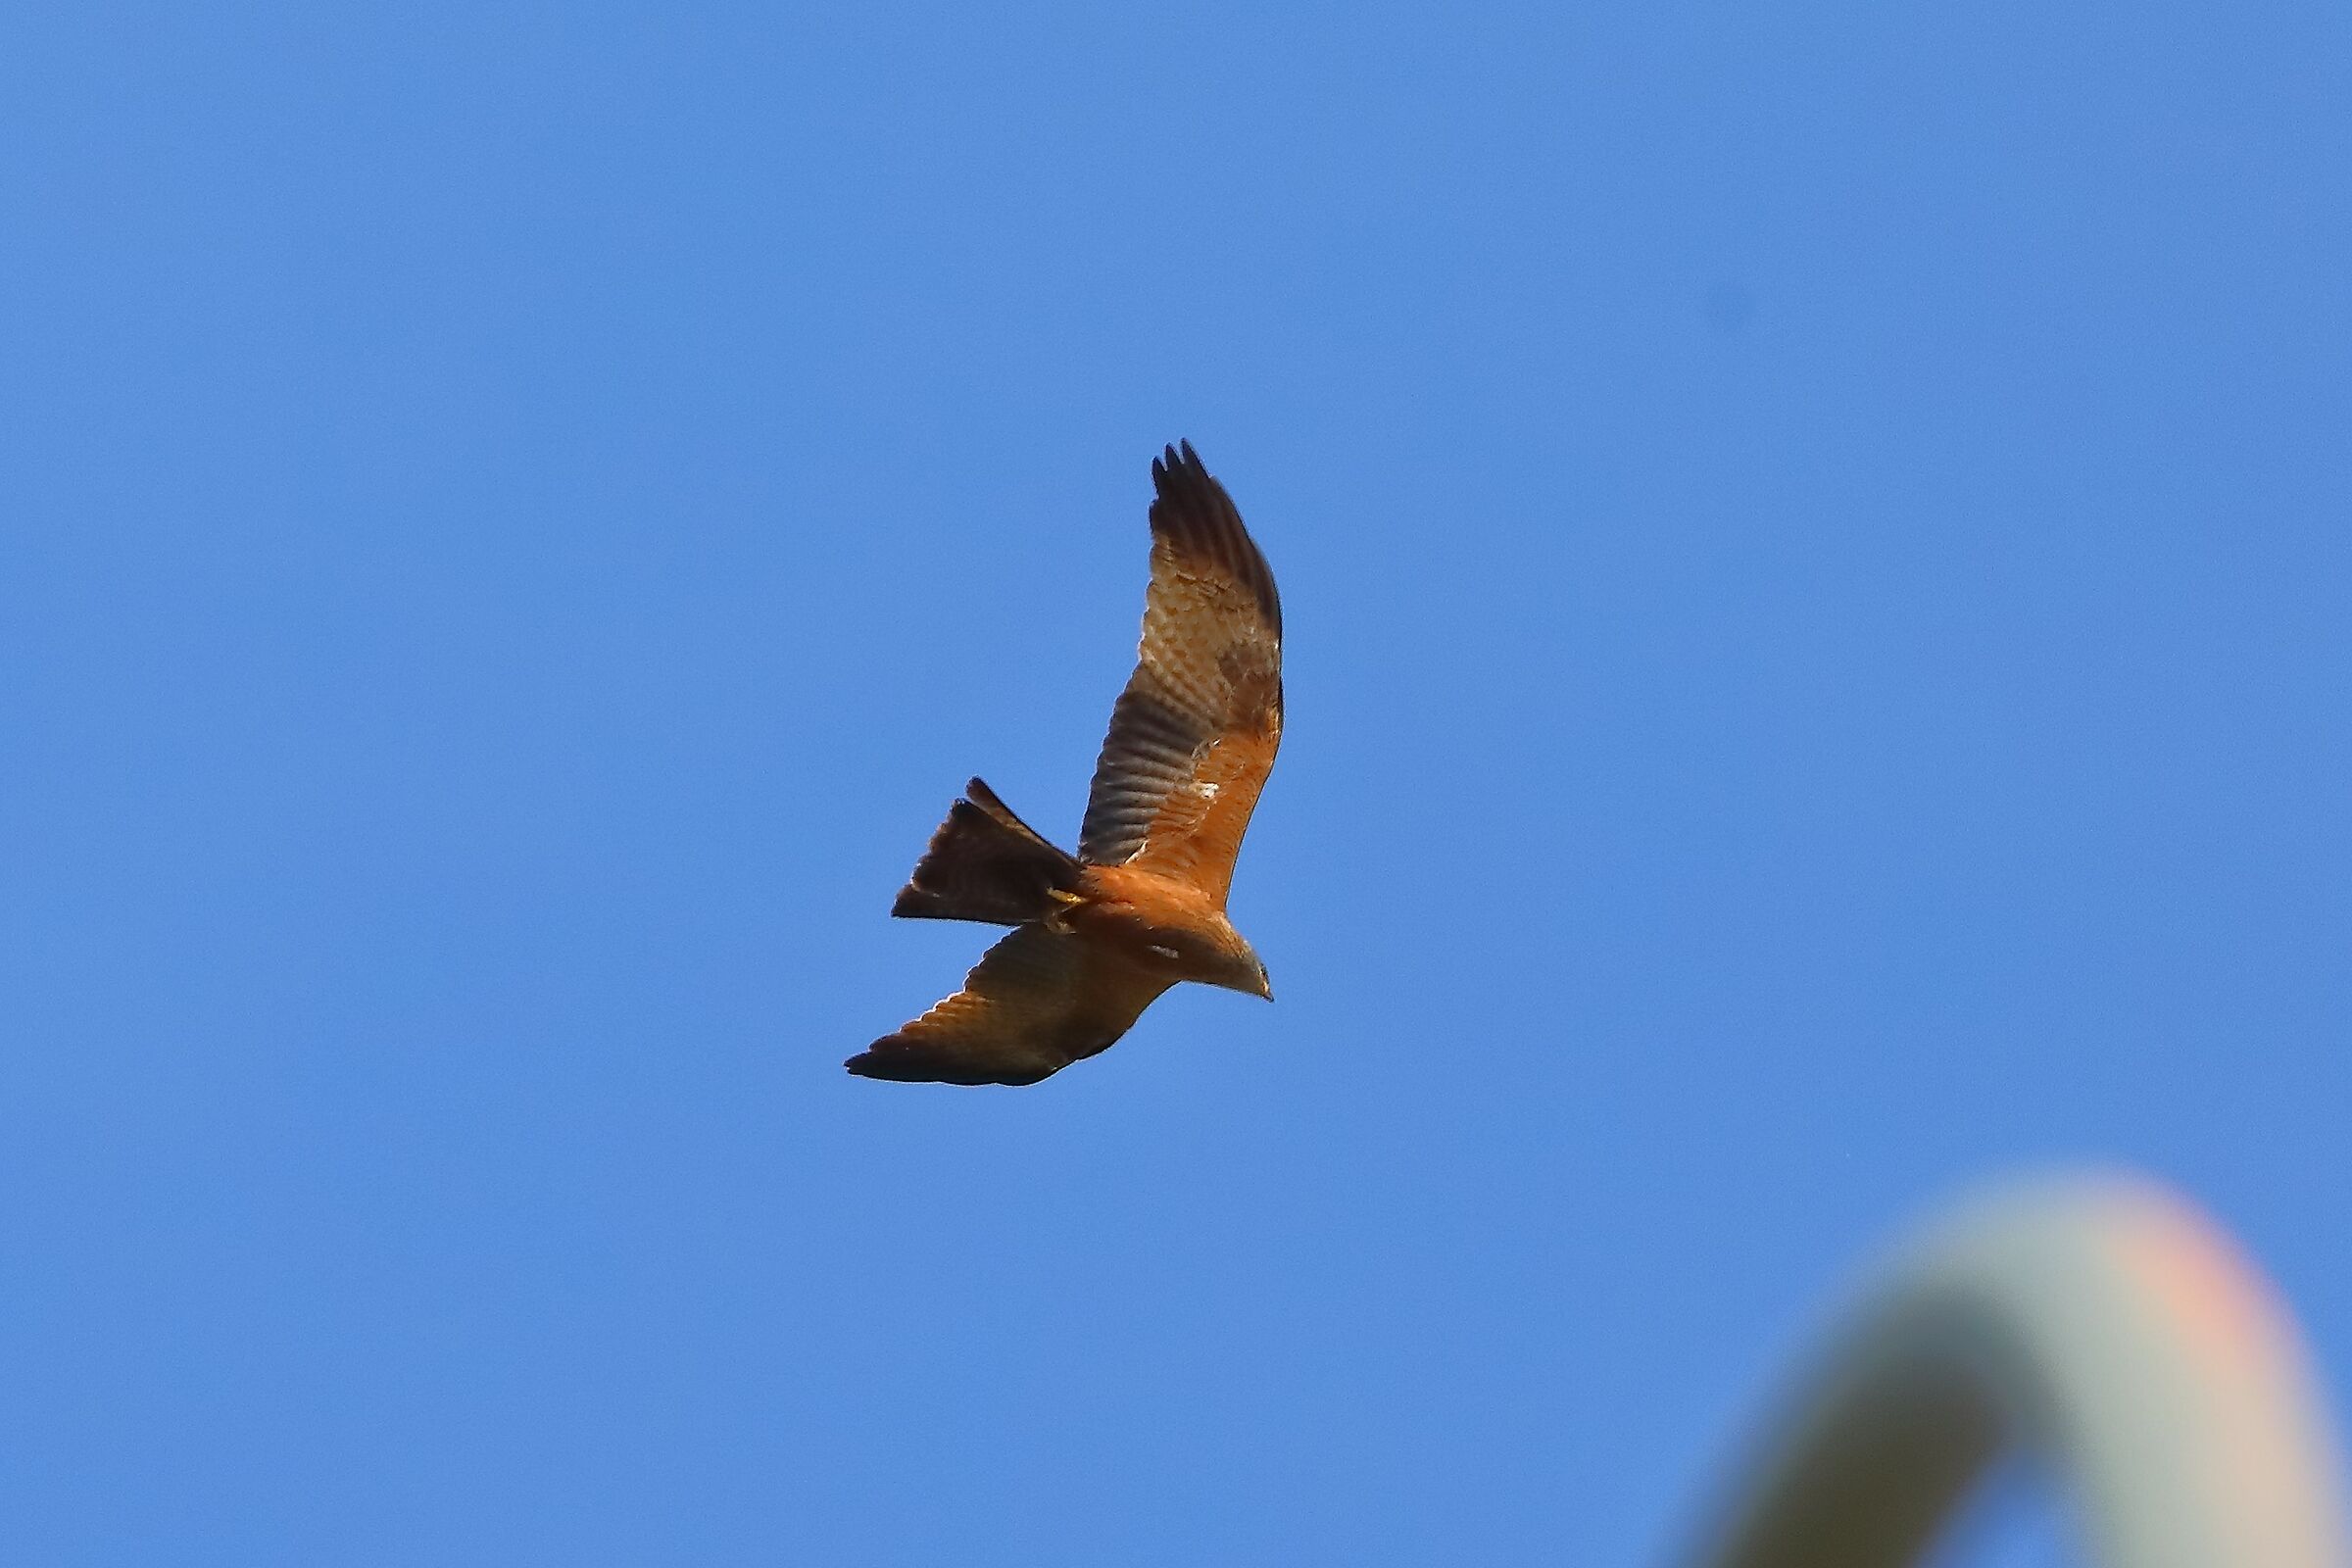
(1193, 735)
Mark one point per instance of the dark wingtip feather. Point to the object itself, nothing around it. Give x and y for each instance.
(1194, 512)
(893, 1058)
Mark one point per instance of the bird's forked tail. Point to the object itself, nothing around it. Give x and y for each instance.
(985, 863)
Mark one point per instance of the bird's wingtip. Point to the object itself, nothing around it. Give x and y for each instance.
(1180, 465)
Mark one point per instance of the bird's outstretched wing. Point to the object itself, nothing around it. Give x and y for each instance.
(1036, 1002)
(1193, 737)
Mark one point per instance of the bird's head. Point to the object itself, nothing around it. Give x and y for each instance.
(1240, 969)
(1209, 951)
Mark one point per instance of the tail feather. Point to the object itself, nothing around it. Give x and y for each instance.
(985, 863)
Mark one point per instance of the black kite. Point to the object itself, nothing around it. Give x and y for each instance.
(1099, 935)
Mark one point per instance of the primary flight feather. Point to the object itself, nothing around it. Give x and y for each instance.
(1100, 934)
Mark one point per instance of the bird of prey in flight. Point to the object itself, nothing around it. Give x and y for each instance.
(1099, 935)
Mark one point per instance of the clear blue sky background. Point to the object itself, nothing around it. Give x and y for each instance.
(1820, 600)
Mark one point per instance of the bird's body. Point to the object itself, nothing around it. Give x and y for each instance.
(1100, 934)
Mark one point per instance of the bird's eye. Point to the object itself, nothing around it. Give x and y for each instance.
(1169, 953)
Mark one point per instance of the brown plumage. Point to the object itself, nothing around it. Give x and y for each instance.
(1099, 935)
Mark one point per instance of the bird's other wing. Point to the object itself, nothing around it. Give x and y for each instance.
(1193, 735)
(1035, 1002)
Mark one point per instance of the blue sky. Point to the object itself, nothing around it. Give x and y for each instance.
(1818, 602)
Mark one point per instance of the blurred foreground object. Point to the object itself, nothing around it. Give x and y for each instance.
(2109, 1329)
